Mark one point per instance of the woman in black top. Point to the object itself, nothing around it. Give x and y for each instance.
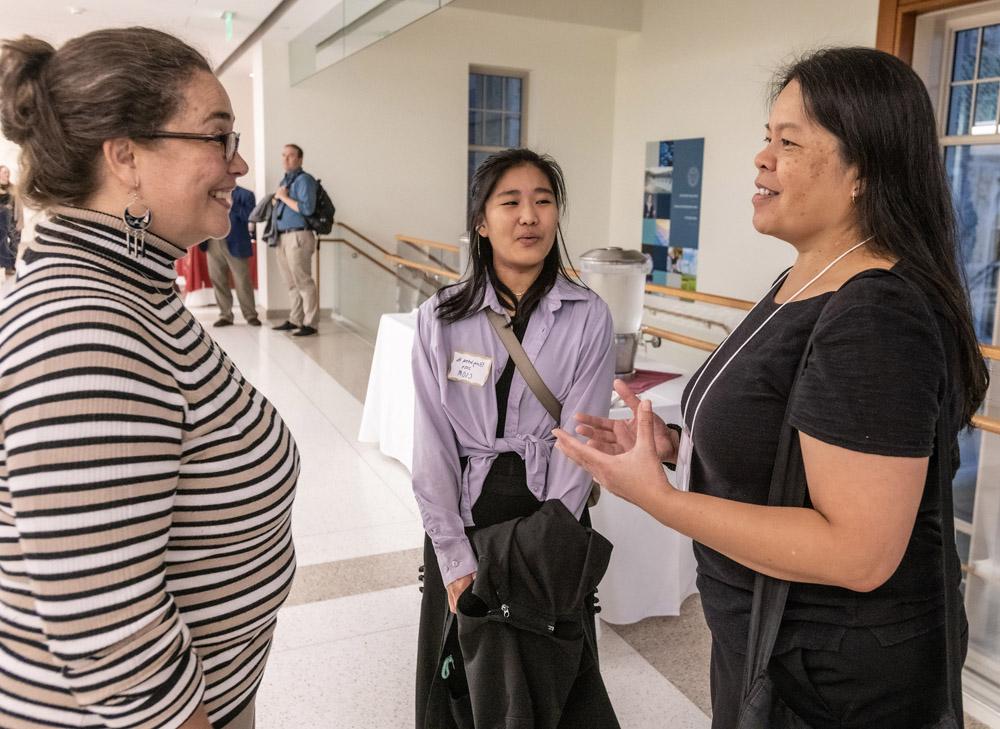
(850, 176)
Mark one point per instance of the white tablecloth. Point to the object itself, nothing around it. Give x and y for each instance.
(652, 567)
(387, 418)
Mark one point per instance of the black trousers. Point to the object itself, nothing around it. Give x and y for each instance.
(864, 685)
(505, 496)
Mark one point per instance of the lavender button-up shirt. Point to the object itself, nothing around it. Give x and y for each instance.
(569, 339)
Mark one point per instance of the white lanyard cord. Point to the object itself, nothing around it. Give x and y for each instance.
(739, 349)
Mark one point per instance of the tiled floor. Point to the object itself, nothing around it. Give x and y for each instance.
(345, 648)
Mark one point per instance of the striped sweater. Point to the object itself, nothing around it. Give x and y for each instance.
(145, 494)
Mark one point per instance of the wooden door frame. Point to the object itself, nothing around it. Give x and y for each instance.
(897, 23)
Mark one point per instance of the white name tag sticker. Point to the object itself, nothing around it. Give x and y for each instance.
(472, 369)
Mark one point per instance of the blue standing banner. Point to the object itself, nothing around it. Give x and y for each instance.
(671, 210)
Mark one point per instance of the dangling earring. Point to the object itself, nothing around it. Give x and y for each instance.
(854, 197)
(135, 235)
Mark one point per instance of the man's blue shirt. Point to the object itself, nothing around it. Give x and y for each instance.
(238, 240)
(302, 189)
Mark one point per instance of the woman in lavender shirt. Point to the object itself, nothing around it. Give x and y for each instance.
(484, 449)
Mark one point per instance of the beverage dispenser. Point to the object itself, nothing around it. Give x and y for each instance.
(619, 277)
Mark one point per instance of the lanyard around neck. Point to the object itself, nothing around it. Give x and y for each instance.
(755, 332)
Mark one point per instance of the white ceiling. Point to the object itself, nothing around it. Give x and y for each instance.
(199, 22)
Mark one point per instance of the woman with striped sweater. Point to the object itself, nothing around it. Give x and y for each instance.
(145, 486)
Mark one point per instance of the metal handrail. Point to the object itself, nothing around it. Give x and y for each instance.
(694, 342)
(364, 255)
(449, 247)
(990, 425)
(705, 321)
(364, 237)
(416, 243)
(727, 301)
(427, 268)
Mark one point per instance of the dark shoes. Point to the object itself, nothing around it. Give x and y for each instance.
(304, 331)
(255, 322)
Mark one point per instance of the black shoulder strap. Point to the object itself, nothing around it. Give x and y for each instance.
(788, 488)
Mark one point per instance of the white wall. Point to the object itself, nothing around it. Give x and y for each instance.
(239, 85)
(387, 128)
(701, 70)
(8, 155)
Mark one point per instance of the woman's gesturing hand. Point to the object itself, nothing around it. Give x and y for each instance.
(635, 474)
(617, 436)
(456, 588)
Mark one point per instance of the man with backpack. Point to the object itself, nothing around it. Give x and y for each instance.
(295, 203)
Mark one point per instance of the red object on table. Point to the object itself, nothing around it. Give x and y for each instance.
(194, 268)
(648, 379)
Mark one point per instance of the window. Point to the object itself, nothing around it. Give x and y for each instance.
(975, 78)
(495, 115)
(960, 54)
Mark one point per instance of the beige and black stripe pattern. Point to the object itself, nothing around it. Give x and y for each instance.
(145, 495)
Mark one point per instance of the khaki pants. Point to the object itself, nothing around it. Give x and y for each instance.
(295, 252)
(220, 263)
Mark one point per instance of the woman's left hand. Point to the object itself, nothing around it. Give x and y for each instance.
(635, 475)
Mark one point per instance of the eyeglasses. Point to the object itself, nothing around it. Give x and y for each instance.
(230, 141)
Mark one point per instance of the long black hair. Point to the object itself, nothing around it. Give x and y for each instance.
(468, 295)
(879, 110)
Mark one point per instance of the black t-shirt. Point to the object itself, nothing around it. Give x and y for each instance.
(873, 383)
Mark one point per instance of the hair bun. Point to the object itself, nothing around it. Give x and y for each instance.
(22, 88)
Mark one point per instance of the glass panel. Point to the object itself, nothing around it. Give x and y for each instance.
(985, 121)
(492, 129)
(965, 54)
(494, 93)
(964, 543)
(989, 56)
(475, 91)
(958, 110)
(964, 484)
(512, 131)
(512, 98)
(475, 127)
(974, 174)
(982, 589)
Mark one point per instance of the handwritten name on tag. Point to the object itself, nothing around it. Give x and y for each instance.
(470, 368)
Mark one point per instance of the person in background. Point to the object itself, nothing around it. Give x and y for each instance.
(232, 254)
(145, 556)
(295, 200)
(851, 176)
(10, 229)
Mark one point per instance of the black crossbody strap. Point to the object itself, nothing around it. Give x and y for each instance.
(788, 488)
(949, 552)
(524, 365)
(952, 607)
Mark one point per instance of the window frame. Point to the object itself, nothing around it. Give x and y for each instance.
(504, 73)
(952, 29)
